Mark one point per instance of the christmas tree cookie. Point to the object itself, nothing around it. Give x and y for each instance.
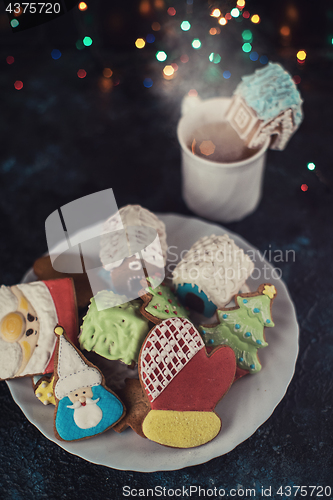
(116, 331)
(161, 303)
(242, 327)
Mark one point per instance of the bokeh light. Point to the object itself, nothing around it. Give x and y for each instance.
(171, 11)
(192, 93)
(185, 26)
(235, 12)
(263, 59)
(246, 14)
(304, 187)
(254, 56)
(226, 74)
(285, 31)
(140, 43)
(213, 31)
(215, 13)
(159, 4)
(255, 19)
(156, 26)
(311, 166)
(161, 55)
(214, 58)
(105, 84)
(82, 6)
(301, 55)
(184, 58)
(246, 47)
(18, 85)
(148, 82)
(150, 38)
(144, 7)
(196, 44)
(82, 73)
(247, 35)
(79, 45)
(107, 72)
(241, 4)
(297, 79)
(14, 23)
(87, 41)
(19, 12)
(55, 54)
(223, 21)
(228, 16)
(10, 59)
(168, 72)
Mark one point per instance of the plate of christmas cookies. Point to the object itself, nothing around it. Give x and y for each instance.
(161, 359)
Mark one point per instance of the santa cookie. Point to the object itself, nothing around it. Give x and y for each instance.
(29, 313)
(85, 407)
(183, 384)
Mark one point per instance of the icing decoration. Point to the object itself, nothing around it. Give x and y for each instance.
(84, 406)
(207, 308)
(44, 390)
(183, 384)
(242, 327)
(114, 332)
(161, 303)
(130, 218)
(266, 103)
(217, 266)
(270, 291)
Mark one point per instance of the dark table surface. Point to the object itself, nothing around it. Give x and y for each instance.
(64, 137)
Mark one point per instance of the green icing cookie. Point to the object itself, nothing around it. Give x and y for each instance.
(164, 304)
(242, 329)
(116, 332)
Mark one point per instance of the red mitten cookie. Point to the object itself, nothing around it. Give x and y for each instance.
(183, 384)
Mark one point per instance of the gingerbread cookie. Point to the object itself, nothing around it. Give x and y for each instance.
(161, 303)
(28, 314)
(242, 327)
(43, 389)
(115, 331)
(183, 384)
(44, 271)
(136, 404)
(85, 407)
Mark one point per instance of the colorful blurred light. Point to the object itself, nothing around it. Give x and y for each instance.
(311, 166)
(215, 13)
(10, 59)
(144, 7)
(255, 19)
(301, 55)
(18, 85)
(223, 21)
(168, 70)
(214, 58)
(235, 12)
(19, 12)
(228, 16)
(185, 26)
(263, 59)
(159, 4)
(246, 14)
(82, 6)
(14, 23)
(156, 26)
(82, 73)
(285, 31)
(55, 54)
(140, 43)
(192, 93)
(87, 41)
(213, 31)
(161, 55)
(226, 74)
(246, 47)
(171, 11)
(304, 187)
(247, 35)
(241, 4)
(297, 79)
(105, 84)
(150, 38)
(184, 58)
(79, 45)
(107, 72)
(148, 82)
(196, 44)
(175, 66)
(254, 56)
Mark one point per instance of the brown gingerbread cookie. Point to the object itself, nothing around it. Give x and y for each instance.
(137, 406)
(44, 271)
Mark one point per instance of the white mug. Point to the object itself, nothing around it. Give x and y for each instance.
(224, 192)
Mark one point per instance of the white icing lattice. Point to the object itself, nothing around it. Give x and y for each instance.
(167, 349)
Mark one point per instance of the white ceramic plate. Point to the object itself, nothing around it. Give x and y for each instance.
(248, 404)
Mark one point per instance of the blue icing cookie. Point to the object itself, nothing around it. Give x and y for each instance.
(111, 410)
(182, 291)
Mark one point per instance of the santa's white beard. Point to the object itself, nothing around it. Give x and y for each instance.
(87, 416)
